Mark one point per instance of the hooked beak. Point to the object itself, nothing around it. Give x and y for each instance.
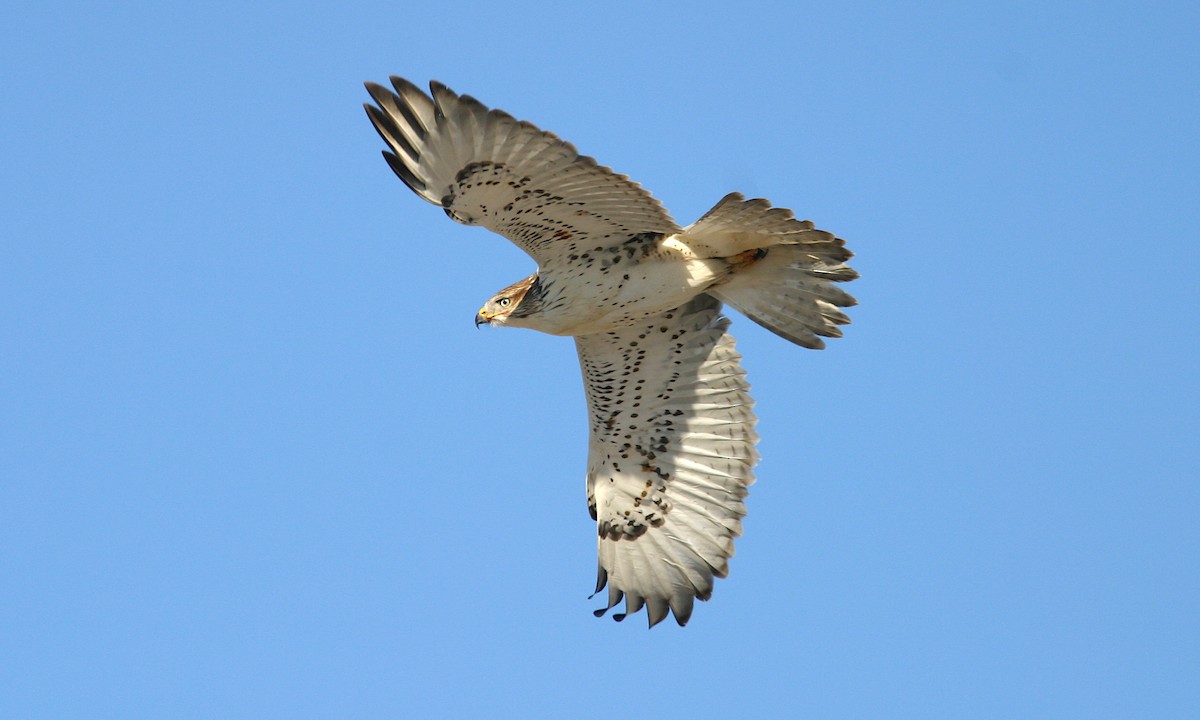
(482, 318)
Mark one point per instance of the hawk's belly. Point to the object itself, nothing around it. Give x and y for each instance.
(582, 303)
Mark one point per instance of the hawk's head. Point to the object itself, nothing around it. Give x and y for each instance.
(508, 306)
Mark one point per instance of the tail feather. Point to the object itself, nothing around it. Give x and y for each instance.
(782, 270)
(736, 225)
(791, 293)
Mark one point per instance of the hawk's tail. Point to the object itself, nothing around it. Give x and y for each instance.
(785, 270)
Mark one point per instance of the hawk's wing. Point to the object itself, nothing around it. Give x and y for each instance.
(485, 168)
(670, 458)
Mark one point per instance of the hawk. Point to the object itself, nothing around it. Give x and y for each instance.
(672, 439)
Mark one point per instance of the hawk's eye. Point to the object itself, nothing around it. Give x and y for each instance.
(503, 302)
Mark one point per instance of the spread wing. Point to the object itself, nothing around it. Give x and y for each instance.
(486, 168)
(670, 458)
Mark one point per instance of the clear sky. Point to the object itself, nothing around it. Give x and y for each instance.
(256, 462)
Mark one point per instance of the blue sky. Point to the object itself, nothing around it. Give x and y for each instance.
(255, 461)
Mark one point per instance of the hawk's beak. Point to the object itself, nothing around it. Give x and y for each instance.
(482, 318)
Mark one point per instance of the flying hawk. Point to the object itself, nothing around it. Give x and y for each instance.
(671, 450)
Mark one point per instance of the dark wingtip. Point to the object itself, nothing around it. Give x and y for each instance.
(436, 88)
(412, 181)
(381, 95)
(601, 580)
(402, 85)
